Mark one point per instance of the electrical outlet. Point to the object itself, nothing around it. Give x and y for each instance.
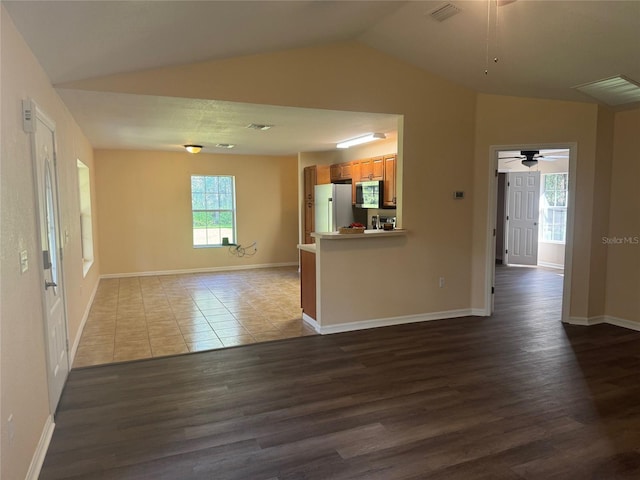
(11, 429)
(441, 282)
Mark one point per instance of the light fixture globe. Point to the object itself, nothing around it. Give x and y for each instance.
(529, 162)
(193, 148)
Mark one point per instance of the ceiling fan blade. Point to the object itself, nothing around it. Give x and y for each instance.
(514, 158)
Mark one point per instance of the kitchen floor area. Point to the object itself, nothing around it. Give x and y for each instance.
(133, 318)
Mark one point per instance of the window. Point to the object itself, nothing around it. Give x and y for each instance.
(213, 206)
(86, 225)
(553, 207)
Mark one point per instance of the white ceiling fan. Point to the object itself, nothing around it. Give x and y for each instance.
(529, 158)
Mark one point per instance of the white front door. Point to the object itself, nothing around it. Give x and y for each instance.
(51, 248)
(522, 218)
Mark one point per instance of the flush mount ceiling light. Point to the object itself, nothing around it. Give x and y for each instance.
(259, 126)
(369, 137)
(193, 148)
(225, 145)
(613, 91)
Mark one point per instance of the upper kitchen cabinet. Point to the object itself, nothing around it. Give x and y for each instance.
(341, 171)
(389, 185)
(371, 169)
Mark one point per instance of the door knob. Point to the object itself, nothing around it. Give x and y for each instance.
(49, 284)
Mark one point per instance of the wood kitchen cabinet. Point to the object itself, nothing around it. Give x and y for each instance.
(389, 185)
(371, 169)
(377, 167)
(308, 283)
(310, 178)
(355, 177)
(366, 169)
(341, 171)
(314, 175)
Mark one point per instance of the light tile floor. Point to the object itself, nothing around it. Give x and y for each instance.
(142, 317)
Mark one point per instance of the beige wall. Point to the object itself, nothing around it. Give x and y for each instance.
(144, 207)
(23, 369)
(623, 259)
(503, 120)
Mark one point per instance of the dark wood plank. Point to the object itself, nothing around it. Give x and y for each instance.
(515, 396)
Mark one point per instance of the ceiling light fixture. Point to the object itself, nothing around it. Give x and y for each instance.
(369, 137)
(613, 91)
(193, 148)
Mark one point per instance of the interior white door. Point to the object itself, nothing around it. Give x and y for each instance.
(51, 247)
(522, 218)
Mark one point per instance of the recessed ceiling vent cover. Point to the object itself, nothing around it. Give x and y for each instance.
(444, 11)
(259, 126)
(613, 91)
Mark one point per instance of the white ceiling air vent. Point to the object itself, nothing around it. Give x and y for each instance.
(444, 11)
(259, 126)
(613, 91)
(225, 145)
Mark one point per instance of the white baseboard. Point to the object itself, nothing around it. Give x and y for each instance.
(85, 316)
(311, 322)
(559, 266)
(596, 320)
(586, 321)
(41, 450)
(622, 322)
(480, 312)
(385, 322)
(198, 270)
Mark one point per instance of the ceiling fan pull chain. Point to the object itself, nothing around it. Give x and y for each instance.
(495, 59)
(486, 58)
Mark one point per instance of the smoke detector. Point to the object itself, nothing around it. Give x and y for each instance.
(444, 11)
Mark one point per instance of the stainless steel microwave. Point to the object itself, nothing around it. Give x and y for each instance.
(369, 194)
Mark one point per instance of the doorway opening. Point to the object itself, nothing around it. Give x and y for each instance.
(531, 211)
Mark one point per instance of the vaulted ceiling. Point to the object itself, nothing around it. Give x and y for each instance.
(525, 48)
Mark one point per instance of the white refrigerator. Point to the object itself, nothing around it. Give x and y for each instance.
(333, 207)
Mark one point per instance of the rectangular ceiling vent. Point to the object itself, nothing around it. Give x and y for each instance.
(444, 11)
(613, 91)
(259, 126)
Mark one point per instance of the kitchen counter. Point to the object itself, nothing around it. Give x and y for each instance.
(366, 234)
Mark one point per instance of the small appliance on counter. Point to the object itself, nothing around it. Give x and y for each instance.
(386, 223)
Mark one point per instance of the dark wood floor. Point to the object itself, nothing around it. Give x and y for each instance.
(518, 395)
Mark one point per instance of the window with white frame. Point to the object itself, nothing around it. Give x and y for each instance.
(86, 224)
(553, 207)
(213, 207)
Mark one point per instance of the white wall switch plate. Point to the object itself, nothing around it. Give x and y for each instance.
(24, 261)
